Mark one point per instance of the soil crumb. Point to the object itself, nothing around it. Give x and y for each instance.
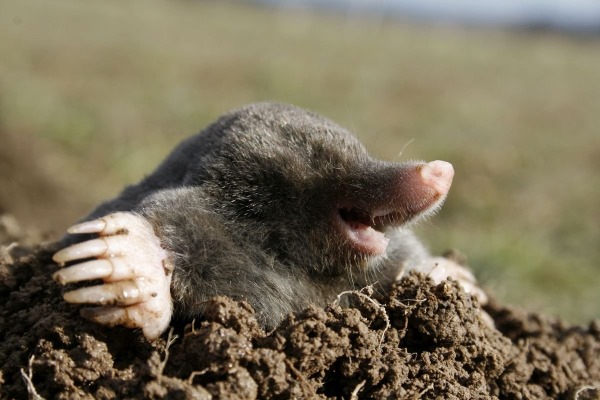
(423, 341)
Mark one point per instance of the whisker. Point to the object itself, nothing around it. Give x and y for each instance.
(404, 147)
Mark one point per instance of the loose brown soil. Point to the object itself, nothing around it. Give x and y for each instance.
(421, 342)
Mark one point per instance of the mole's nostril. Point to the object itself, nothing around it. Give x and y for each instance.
(438, 174)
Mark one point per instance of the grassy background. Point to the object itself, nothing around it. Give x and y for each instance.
(94, 94)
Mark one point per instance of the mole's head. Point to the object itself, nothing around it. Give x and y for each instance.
(309, 190)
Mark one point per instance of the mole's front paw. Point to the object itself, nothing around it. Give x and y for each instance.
(128, 257)
(444, 268)
(441, 268)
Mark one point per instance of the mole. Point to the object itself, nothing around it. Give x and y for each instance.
(270, 204)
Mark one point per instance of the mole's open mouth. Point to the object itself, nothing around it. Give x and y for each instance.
(366, 230)
(405, 194)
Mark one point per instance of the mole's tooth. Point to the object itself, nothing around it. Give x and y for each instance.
(90, 248)
(95, 226)
(123, 293)
(96, 269)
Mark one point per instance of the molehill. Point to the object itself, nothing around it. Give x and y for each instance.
(421, 342)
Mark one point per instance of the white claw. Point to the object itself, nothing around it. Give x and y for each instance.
(107, 225)
(474, 290)
(110, 269)
(438, 273)
(109, 316)
(130, 317)
(106, 246)
(96, 269)
(95, 226)
(91, 248)
(123, 293)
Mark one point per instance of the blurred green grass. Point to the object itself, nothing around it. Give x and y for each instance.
(95, 94)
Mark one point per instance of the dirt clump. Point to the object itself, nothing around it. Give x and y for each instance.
(422, 341)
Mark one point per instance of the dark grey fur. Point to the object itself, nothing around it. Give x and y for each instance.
(245, 209)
